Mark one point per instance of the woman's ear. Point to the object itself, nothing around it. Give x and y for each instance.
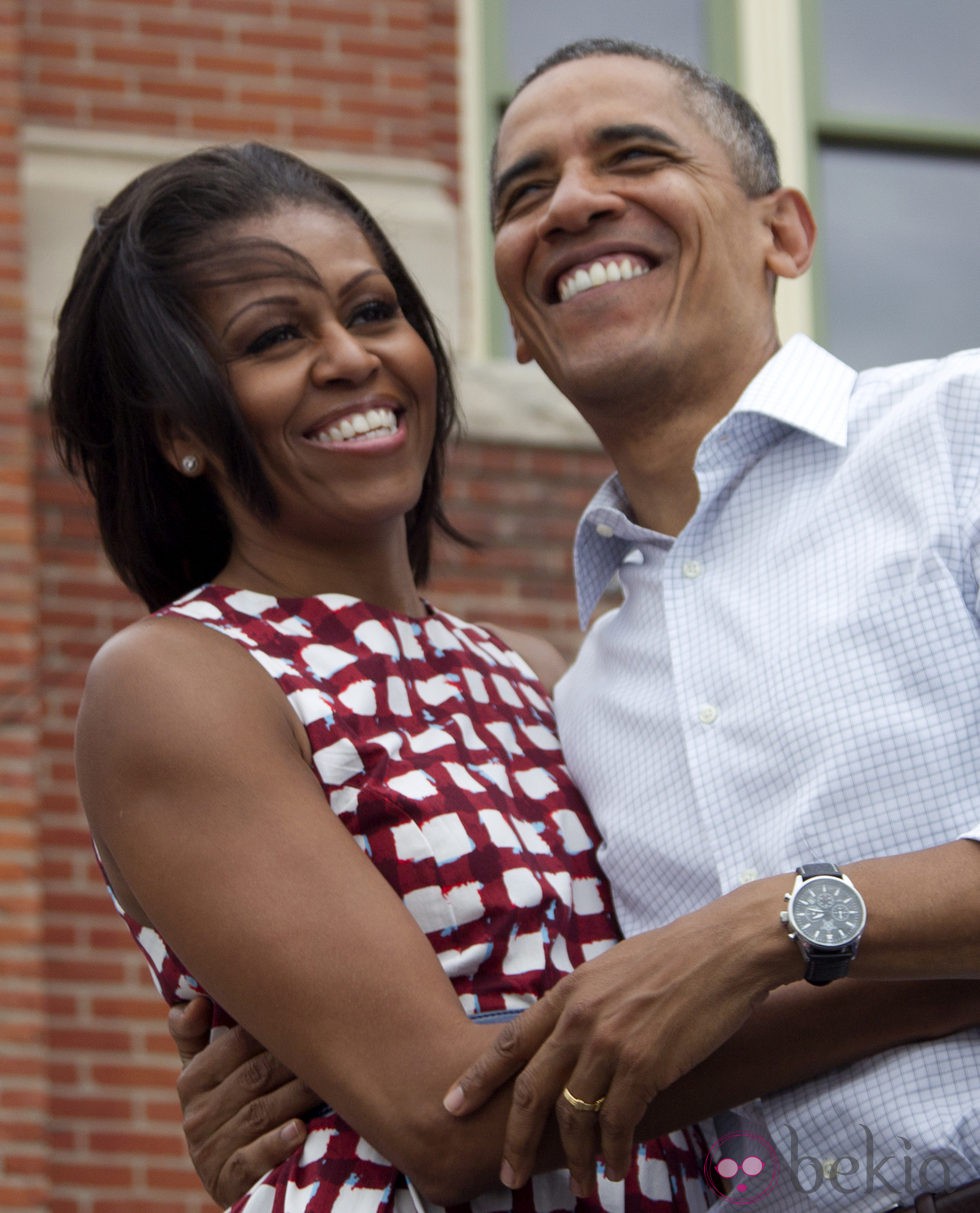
(521, 352)
(794, 233)
(180, 448)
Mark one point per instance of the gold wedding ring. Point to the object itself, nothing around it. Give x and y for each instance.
(583, 1105)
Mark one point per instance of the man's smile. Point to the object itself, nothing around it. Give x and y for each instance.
(614, 268)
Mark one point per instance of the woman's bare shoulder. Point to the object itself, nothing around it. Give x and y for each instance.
(162, 677)
(157, 652)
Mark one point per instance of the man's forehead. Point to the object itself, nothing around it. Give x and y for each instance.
(599, 94)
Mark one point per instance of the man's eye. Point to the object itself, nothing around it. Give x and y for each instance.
(515, 196)
(278, 335)
(640, 153)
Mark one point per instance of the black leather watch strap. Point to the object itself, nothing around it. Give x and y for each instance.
(807, 870)
(822, 970)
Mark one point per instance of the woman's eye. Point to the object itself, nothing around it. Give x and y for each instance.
(274, 336)
(375, 311)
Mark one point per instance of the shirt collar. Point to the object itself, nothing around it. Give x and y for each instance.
(805, 387)
(606, 535)
(802, 386)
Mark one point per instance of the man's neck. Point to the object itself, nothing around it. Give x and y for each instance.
(657, 474)
(655, 444)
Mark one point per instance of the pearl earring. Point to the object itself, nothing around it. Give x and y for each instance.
(190, 464)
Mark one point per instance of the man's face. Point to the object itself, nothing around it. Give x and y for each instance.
(626, 251)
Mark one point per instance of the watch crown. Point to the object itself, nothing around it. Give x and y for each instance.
(783, 916)
(787, 896)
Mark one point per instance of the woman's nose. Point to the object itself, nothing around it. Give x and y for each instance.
(343, 357)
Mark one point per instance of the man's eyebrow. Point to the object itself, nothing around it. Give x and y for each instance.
(633, 130)
(618, 133)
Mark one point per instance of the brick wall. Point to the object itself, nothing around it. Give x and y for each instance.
(88, 1116)
(354, 75)
(23, 1077)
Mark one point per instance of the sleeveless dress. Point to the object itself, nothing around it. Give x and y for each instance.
(436, 747)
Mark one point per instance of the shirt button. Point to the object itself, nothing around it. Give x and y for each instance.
(604, 529)
(747, 875)
(691, 569)
(707, 713)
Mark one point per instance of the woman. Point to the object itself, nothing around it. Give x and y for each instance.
(256, 394)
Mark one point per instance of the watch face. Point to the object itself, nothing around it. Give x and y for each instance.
(827, 912)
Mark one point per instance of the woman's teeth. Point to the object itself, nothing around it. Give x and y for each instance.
(598, 274)
(375, 423)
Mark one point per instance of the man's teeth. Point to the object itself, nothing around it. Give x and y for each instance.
(375, 423)
(598, 274)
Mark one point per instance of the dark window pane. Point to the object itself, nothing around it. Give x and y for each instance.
(903, 58)
(900, 255)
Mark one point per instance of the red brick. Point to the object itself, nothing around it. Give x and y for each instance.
(148, 1145)
(135, 55)
(232, 64)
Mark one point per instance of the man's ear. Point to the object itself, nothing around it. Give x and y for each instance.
(794, 233)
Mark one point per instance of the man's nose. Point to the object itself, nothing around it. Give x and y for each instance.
(580, 197)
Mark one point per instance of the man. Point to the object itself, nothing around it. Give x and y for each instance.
(793, 680)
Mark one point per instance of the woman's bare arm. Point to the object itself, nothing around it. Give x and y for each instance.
(214, 830)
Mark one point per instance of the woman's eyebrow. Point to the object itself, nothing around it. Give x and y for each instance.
(263, 301)
(356, 281)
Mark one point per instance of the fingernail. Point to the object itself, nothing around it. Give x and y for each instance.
(507, 1176)
(291, 1134)
(454, 1101)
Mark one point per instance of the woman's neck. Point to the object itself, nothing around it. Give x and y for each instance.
(383, 579)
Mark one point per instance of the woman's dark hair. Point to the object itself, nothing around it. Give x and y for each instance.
(133, 360)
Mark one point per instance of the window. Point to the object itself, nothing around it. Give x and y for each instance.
(894, 100)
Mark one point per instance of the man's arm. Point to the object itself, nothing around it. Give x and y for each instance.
(243, 1110)
(628, 1025)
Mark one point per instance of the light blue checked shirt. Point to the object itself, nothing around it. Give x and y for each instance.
(796, 677)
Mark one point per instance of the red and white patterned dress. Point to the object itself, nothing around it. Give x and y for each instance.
(436, 747)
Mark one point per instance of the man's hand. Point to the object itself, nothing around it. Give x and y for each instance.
(241, 1106)
(624, 1027)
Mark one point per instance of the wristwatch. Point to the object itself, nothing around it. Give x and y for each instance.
(826, 916)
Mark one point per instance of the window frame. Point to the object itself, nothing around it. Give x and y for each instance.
(828, 128)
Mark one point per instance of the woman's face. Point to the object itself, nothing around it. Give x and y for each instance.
(336, 387)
